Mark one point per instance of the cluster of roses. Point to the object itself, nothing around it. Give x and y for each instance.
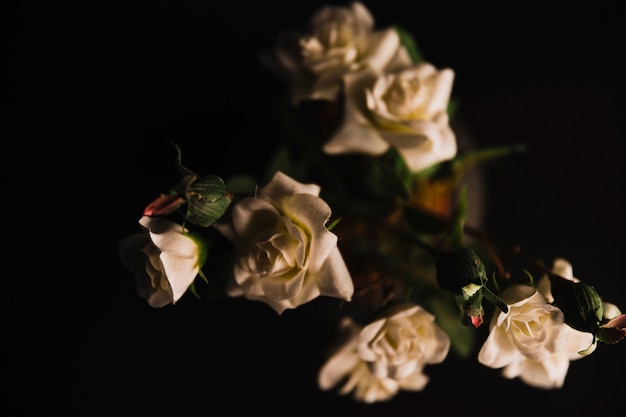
(286, 254)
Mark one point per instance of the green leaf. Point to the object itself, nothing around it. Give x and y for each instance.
(408, 41)
(462, 337)
(242, 184)
(479, 156)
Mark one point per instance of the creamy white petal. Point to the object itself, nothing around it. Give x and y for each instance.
(284, 287)
(312, 214)
(334, 279)
(281, 185)
(170, 237)
(610, 310)
(441, 90)
(416, 381)
(497, 350)
(362, 15)
(576, 341)
(344, 360)
(164, 260)
(563, 268)
(549, 374)
(356, 134)
(384, 46)
(180, 273)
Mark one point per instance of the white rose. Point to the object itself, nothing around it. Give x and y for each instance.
(339, 40)
(531, 341)
(346, 365)
(405, 108)
(387, 355)
(285, 255)
(404, 339)
(164, 260)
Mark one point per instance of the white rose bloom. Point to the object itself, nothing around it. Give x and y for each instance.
(387, 355)
(339, 40)
(405, 108)
(402, 341)
(532, 341)
(163, 259)
(346, 366)
(285, 255)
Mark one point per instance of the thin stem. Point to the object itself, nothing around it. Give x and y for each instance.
(527, 258)
(490, 249)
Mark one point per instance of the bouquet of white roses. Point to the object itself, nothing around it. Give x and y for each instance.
(367, 201)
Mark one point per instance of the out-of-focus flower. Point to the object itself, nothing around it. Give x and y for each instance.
(339, 40)
(285, 254)
(403, 340)
(387, 355)
(531, 341)
(405, 108)
(164, 259)
(346, 366)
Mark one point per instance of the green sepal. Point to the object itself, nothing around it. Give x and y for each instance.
(476, 157)
(334, 223)
(613, 331)
(388, 176)
(590, 349)
(470, 301)
(203, 253)
(203, 248)
(494, 299)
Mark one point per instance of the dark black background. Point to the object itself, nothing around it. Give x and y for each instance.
(99, 89)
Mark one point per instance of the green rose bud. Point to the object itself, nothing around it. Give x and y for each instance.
(462, 272)
(581, 305)
(207, 199)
